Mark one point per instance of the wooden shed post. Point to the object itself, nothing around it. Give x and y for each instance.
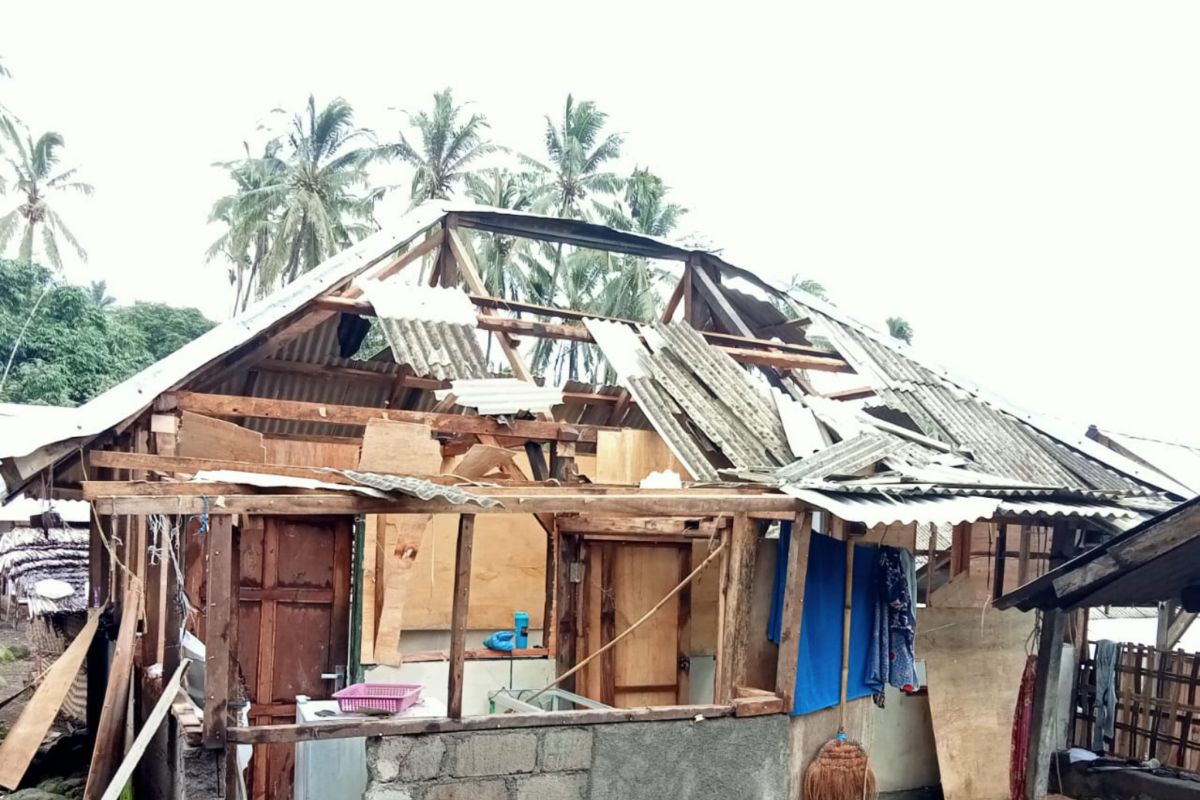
(220, 629)
(735, 632)
(793, 609)
(1044, 734)
(458, 621)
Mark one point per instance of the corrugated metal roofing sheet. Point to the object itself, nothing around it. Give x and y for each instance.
(441, 350)
(887, 509)
(744, 408)
(847, 457)
(492, 396)
(416, 487)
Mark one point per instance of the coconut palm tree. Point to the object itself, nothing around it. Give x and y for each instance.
(500, 257)
(578, 156)
(449, 145)
(249, 216)
(316, 191)
(98, 290)
(34, 163)
(643, 208)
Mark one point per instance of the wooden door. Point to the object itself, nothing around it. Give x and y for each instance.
(622, 582)
(293, 627)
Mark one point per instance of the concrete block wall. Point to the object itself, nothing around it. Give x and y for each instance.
(715, 759)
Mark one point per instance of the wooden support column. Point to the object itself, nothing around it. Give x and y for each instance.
(1044, 735)
(566, 607)
(1023, 557)
(683, 628)
(608, 622)
(735, 633)
(1001, 556)
(220, 630)
(458, 622)
(793, 609)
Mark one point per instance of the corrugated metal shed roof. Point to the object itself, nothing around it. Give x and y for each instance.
(887, 509)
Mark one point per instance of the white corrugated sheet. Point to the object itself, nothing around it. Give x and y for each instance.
(492, 396)
(20, 509)
(886, 509)
(397, 299)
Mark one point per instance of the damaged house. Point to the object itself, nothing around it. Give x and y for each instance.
(668, 548)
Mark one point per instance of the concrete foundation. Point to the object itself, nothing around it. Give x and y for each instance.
(717, 759)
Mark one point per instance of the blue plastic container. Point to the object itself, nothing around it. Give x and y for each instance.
(521, 626)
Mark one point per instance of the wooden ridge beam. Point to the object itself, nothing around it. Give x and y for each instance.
(631, 503)
(217, 405)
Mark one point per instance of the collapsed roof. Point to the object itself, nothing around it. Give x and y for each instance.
(757, 384)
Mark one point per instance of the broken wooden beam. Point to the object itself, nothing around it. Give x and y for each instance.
(634, 503)
(218, 405)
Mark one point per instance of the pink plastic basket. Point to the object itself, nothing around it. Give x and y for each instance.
(393, 697)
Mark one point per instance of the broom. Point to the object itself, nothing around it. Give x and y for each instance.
(841, 770)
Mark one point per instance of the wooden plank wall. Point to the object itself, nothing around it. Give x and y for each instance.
(1158, 710)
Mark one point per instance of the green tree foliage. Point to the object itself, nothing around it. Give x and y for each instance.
(899, 328)
(70, 348)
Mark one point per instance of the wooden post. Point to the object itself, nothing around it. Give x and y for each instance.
(1001, 556)
(793, 609)
(566, 607)
(736, 631)
(458, 622)
(219, 630)
(683, 629)
(1023, 557)
(1044, 735)
(608, 622)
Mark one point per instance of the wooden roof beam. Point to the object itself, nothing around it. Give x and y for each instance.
(217, 405)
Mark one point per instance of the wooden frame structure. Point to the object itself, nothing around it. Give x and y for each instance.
(144, 465)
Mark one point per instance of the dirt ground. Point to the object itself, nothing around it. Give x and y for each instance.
(14, 673)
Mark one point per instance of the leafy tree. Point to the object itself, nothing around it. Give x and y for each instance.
(163, 328)
(449, 146)
(899, 328)
(61, 348)
(308, 194)
(34, 164)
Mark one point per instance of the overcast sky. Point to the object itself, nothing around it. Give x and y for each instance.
(1020, 180)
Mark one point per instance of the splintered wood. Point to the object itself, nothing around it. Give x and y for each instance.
(399, 540)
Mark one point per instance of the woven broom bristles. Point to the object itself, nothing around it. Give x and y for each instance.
(840, 771)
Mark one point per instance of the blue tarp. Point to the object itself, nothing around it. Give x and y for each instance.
(819, 668)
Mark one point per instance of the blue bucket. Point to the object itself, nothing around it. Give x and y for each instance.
(521, 620)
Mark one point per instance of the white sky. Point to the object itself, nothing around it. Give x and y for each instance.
(1020, 180)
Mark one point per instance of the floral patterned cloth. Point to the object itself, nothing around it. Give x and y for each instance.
(893, 638)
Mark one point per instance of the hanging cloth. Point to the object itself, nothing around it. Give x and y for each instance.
(818, 669)
(893, 636)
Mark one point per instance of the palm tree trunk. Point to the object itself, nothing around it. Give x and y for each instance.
(294, 257)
